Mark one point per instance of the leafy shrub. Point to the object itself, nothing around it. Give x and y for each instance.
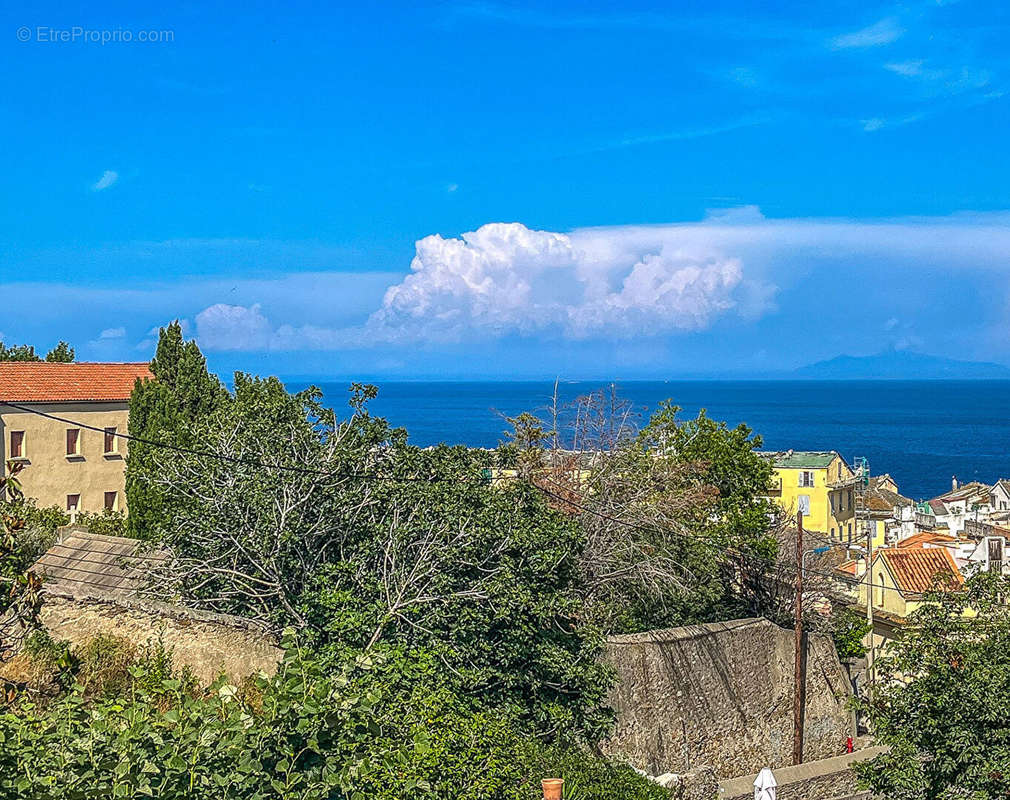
(309, 738)
(447, 749)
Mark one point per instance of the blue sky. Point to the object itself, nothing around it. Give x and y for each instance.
(509, 189)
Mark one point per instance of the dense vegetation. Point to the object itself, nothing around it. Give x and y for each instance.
(449, 605)
(940, 699)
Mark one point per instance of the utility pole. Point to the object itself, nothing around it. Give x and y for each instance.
(869, 597)
(799, 689)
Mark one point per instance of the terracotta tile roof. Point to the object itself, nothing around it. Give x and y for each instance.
(926, 537)
(84, 563)
(41, 382)
(917, 570)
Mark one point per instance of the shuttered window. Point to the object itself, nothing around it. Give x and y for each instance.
(17, 449)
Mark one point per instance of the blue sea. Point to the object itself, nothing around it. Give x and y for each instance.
(921, 432)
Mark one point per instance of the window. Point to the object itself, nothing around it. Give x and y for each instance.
(73, 502)
(832, 504)
(112, 501)
(806, 478)
(832, 533)
(17, 449)
(73, 441)
(841, 502)
(880, 588)
(111, 441)
(850, 498)
(839, 470)
(850, 531)
(804, 504)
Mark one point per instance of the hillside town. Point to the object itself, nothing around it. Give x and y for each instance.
(867, 550)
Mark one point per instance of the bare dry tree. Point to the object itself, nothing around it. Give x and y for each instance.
(639, 510)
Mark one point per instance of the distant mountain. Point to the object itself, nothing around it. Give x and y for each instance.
(901, 365)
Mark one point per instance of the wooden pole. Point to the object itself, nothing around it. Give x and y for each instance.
(869, 600)
(799, 689)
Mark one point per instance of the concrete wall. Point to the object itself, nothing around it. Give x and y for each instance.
(816, 780)
(208, 644)
(722, 694)
(50, 474)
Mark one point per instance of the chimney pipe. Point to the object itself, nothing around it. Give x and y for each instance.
(953, 482)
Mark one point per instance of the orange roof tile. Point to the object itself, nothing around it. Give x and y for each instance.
(42, 382)
(926, 537)
(919, 570)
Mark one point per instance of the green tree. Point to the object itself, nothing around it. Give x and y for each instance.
(940, 701)
(167, 410)
(667, 510)
(369, 545)
(63, 353)
(18, 352)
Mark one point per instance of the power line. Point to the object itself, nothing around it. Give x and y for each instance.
(224, 457)
(394, 478)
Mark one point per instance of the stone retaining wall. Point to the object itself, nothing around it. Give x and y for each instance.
(722, 694)
(207, 643)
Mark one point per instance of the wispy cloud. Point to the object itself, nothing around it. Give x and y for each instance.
(109, 177)
(879, 123)
(112, 333)
(879, 33)
(949, 81)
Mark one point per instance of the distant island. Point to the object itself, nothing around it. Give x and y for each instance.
(901, 365)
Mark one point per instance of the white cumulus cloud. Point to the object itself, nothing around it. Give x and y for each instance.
(629, 282)
(506, 278)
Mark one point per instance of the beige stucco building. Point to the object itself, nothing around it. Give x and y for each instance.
(62, 423)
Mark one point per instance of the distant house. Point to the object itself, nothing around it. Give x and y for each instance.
(964, 502)
(62, 422)
(890, 514)
(900, 576)
(1000, 494)
(821, 484)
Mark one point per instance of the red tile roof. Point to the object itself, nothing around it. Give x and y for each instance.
(926, 537)
(41, 382)
(918, 570)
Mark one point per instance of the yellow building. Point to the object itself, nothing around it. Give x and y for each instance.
(901, 575)
(821, 485)
(76, 462)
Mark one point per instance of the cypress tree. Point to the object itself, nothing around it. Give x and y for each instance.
(166, 410)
